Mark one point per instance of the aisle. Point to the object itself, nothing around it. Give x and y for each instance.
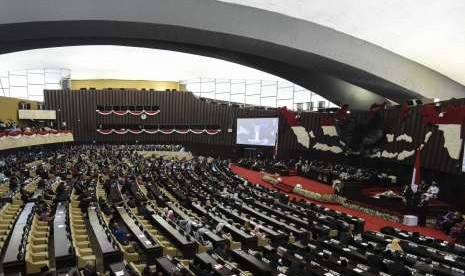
(306, 183)
(371, 222)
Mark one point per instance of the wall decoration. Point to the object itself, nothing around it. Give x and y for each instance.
(155, 131)
(404, 112)
(449, 120)
(328, 125)
(405, 154)
(325, 147)
(17, 139)
(452, 140)
(427, 136)
(294, 122)
(311, 134)
(302, 136)
(329, 130)
(389, 155)
(404, 137)
(125, 112)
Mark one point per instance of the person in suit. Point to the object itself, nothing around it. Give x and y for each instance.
(89, 270)
(375, 261)
(424, 267)
(397, 268)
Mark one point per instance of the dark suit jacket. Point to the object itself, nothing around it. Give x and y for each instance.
(398, 269)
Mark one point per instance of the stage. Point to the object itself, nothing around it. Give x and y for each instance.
(372, 222)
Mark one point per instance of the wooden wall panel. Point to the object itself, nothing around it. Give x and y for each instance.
(77, 109)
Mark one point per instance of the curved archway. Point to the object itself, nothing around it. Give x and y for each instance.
(341, 68)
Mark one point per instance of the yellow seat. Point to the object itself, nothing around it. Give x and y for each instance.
(40, 247)
(84, 259)
(262, 242)
(38, 240)
(76, 224)
(37, 250)
(35, 262)
(83, 244)
(41, 223)
(85, 251)
(80, 231)
(38, 228)
(169, 251)
(203, 248)
(41, 234)
(81, 238)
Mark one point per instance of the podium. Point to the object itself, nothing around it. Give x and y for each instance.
(410, 220)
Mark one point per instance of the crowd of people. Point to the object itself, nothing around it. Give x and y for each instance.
(329, 172)
(209, 184)
(12, 126)
(453, 224)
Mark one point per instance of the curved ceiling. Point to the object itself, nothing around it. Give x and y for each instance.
(340, 67)
(131, 63)
(430, 32)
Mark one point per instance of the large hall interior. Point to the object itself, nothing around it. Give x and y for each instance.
(205, 137)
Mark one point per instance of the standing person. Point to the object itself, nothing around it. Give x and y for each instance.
(422, 213)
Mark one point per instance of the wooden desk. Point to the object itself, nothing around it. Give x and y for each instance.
(188, 248)
(108, 251)
(11, 263)
(150, 247)
(64, 257)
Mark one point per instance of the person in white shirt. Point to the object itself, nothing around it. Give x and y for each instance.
(431, 193)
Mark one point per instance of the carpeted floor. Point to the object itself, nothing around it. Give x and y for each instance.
(371, 222)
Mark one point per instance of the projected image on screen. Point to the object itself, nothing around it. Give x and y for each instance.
(257, 131)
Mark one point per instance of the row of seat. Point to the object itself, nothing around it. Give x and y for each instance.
(8, 215)
(4, 188)
(79, 234)
(168, 248)
(129, 252)
(37, 253)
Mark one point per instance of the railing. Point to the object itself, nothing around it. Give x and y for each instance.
(17, 139)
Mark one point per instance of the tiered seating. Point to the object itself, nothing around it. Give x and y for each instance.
(129, 252)
(31, 187)
(63, 249)
(80, 235)
(295, 238)
(37, 253)
(168, 248)
(8, 215)
(4, 188)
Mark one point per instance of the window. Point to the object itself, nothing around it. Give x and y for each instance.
(300, 106)
(310, 106)
(321, 104)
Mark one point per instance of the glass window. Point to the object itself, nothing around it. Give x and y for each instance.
(310, 106)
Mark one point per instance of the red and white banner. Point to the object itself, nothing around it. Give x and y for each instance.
(299, 130)
(416, 176)
(162, 131)
(16, 134)
(125, 112)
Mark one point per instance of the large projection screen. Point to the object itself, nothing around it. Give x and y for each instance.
(257, 131)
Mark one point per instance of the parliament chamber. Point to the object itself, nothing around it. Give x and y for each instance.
(110, 209)
(231, 137)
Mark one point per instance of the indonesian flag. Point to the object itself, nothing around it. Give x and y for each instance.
(275, 153)
(416, 177)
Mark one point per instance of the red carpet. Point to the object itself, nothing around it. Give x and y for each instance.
(306, 183)
(371, 222)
